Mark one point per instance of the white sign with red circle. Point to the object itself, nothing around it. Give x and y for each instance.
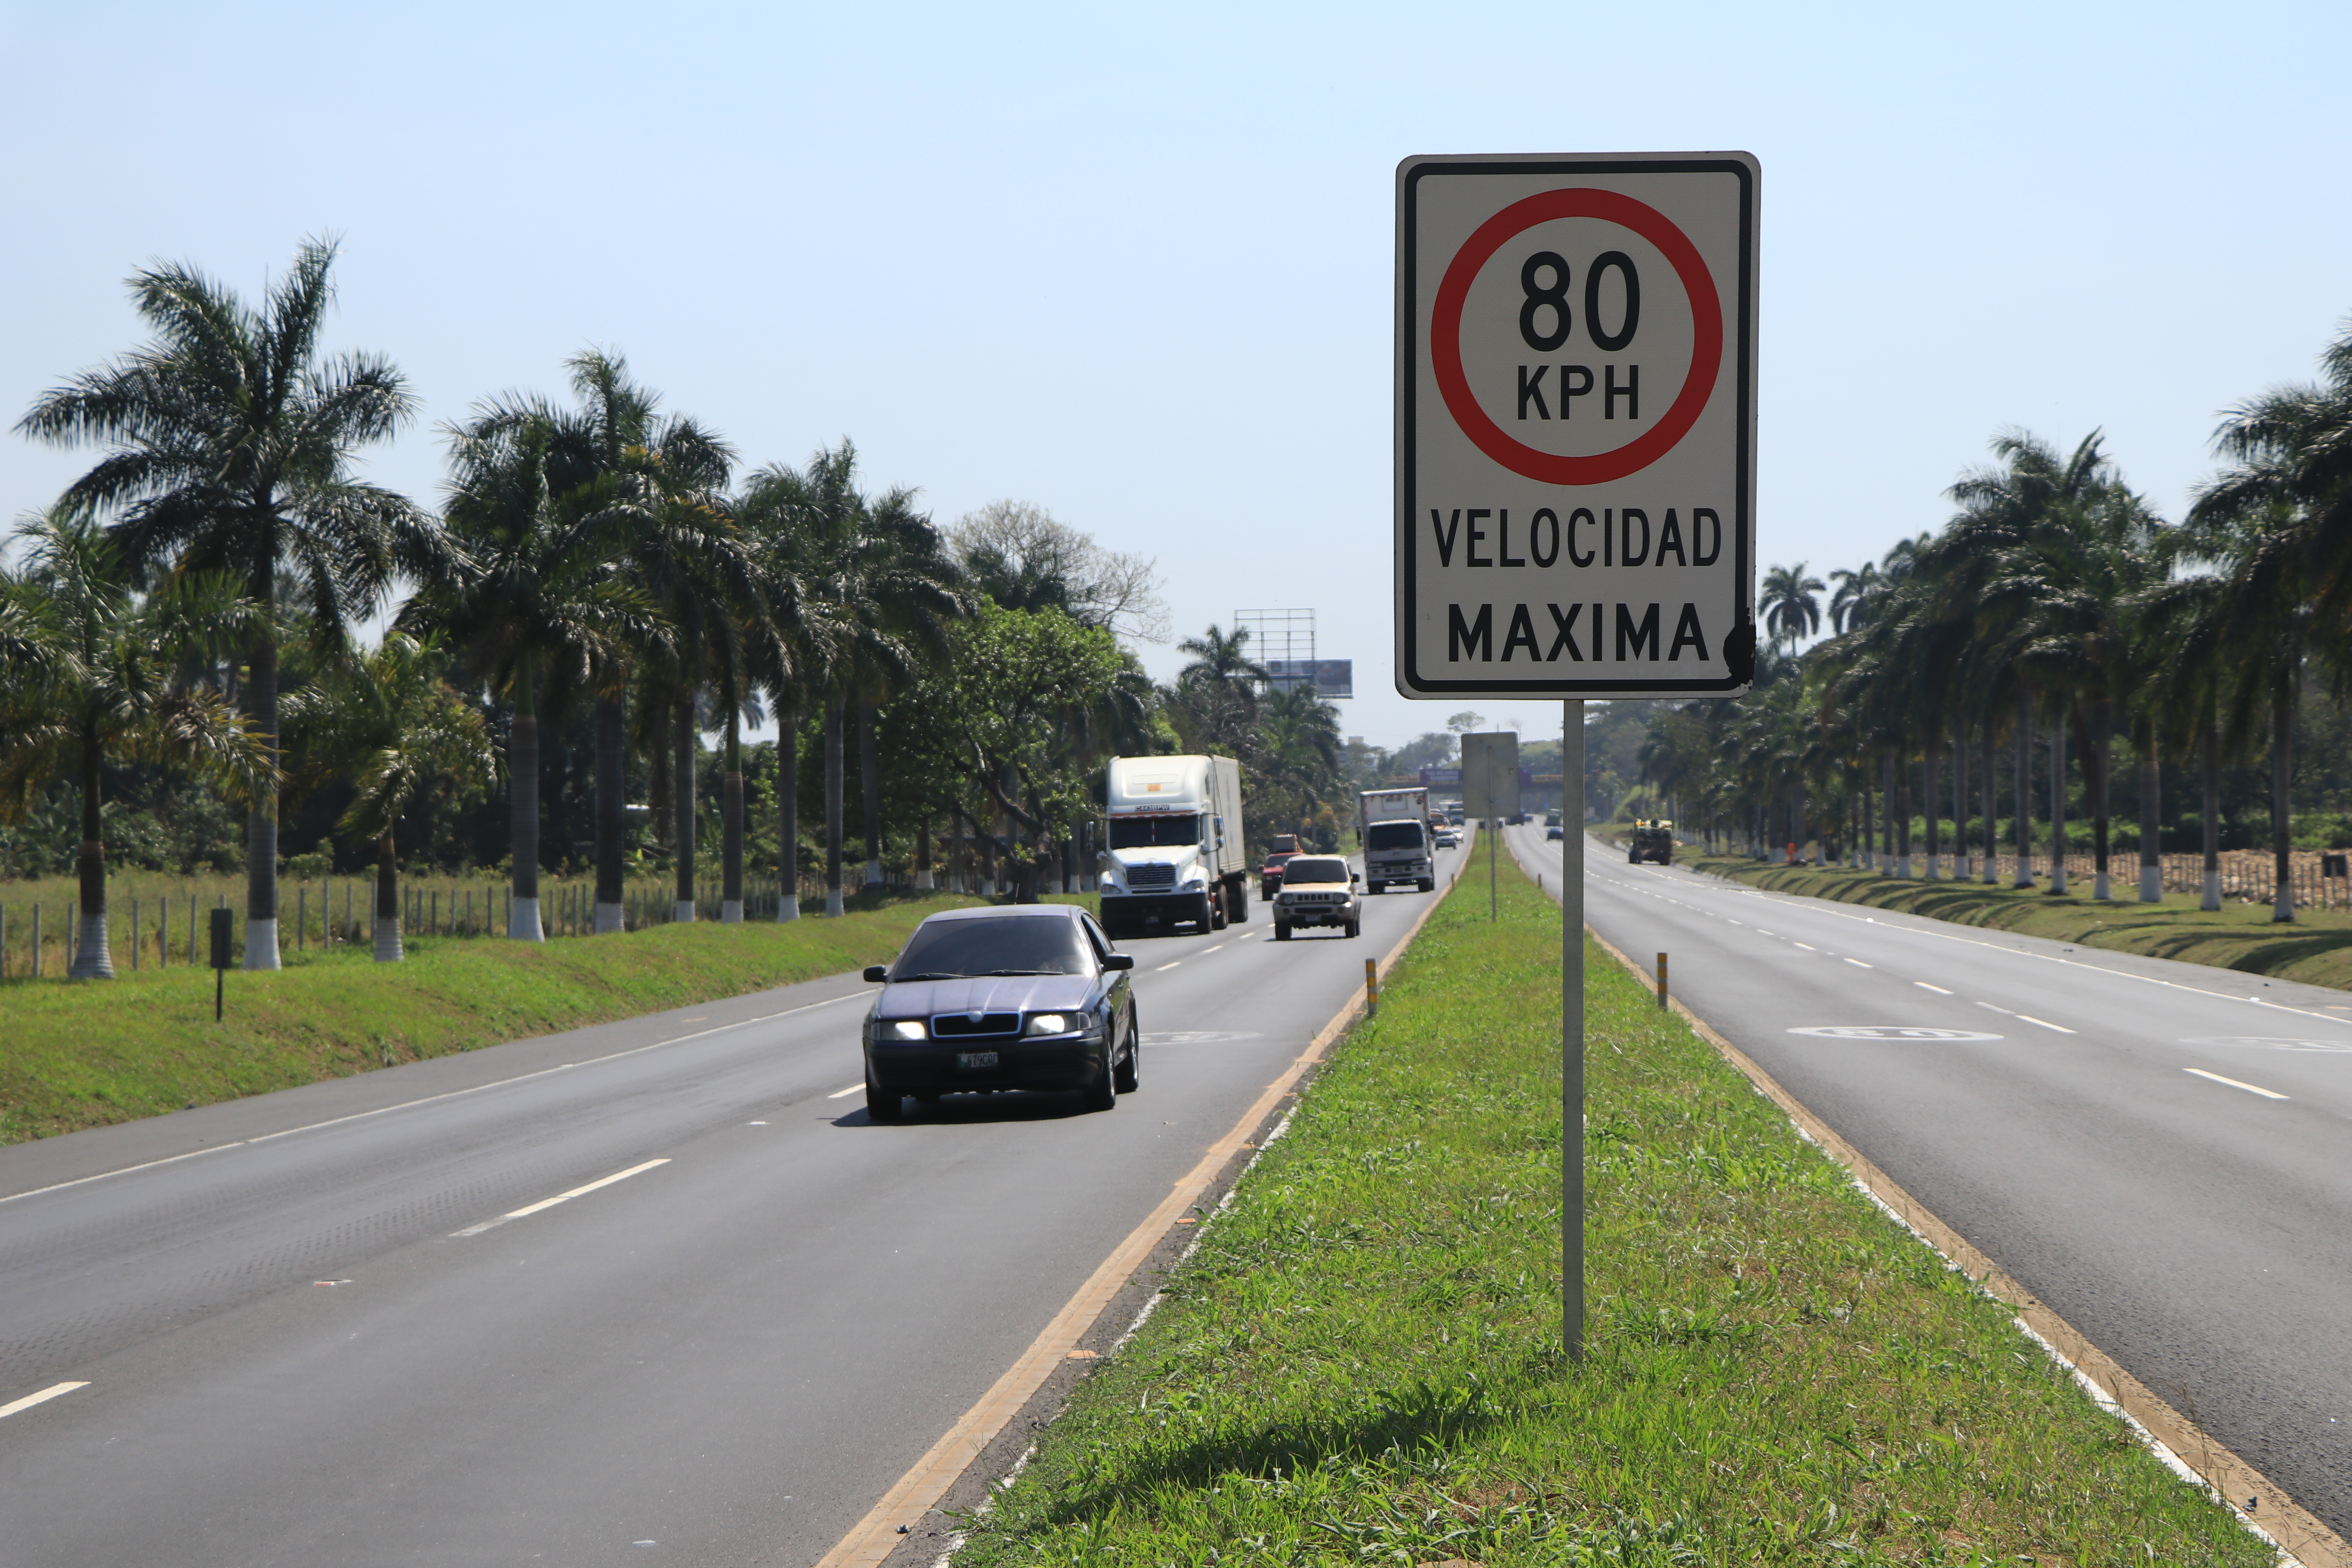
(1576, 420)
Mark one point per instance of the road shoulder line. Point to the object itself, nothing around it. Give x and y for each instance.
(2294, 1529)
(889, 1523)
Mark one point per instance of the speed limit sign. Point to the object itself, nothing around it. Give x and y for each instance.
(1576, 421)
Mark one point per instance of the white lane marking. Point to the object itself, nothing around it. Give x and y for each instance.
(43, 1397)
(1166, 967)
(842, 1093)
(1936, 989)
(2030, 1018)
(1860, 965)
(1206, 951)
(1790, 900)
(428, 1100)
(559, 1198)
(1991, 1008)
(2201, 1072)
(1761, 931)
(1809, 947)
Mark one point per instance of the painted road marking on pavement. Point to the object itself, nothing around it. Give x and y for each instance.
(2201, 1072)
(1809, 947)
(1860, 965)
(843, 1093)
(1890, 1032)
(1166, 967)
(428, 1100)
(1936, 989)
(2030, 1018)
(41, 1398)
(2272, 1043)
(1206, 951)
(559, 1198)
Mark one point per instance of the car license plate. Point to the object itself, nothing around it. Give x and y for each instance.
(975, 1059)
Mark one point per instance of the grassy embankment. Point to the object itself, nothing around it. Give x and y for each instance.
(85, 1053)
(1362, 1362)
(2316, 948)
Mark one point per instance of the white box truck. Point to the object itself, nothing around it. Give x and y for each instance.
(1392, 827)
(1175, 852)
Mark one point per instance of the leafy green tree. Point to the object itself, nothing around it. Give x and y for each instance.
(1791, 604)
(660, 471)
(533, 609)
(386, 718)
(231, 436)
(99, 678)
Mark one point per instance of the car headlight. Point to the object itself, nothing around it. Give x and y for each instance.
(1048, 1024)
(906, 1029)
(1195, 882)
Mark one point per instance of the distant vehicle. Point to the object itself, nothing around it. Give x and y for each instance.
(1393, 825)
(1552, 831)
(1011, 996)
(1318, 890)
(1652, 840)
(1269, 876)
(1449, 838)
(1176, 851)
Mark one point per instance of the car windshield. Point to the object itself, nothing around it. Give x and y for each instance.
(1314, 869)
(1394, 835)
(1020, 945)
(1144, 832)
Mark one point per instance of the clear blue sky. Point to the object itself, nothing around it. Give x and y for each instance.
(1135, 265)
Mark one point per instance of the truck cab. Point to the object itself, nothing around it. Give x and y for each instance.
(1174, 851)
(1393, 826)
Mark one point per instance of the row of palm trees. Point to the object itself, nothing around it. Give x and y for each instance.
(2055, 605)
(598, 552)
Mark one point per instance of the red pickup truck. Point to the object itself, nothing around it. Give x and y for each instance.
(1269, 876)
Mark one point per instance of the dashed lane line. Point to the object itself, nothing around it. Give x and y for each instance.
(430, 1098)
(1936, 989)
(44, 1396)
(559, 1198)
(2030, 1018)
(846, 1093)
(2201, 1072)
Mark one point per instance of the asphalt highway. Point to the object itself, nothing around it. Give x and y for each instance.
(345, 1324)
(2157, 1149)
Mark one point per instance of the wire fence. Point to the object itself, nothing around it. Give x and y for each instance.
(2316, 878)
(156, 924)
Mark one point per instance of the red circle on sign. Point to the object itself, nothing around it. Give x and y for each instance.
(1707, 336)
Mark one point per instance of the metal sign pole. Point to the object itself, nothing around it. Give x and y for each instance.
(1572, 1026)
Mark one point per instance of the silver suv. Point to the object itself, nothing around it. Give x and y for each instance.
(1318, 890)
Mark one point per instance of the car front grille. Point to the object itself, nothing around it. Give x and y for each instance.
(1158, 875)
(964, 1026)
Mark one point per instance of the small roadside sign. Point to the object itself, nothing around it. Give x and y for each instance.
(1490, 775)
(1575, 425)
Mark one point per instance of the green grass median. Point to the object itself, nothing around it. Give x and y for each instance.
(1362, 1362)
(85, 1053)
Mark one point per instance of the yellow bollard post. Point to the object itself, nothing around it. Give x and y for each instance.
(1371, 988)
(1662, 980)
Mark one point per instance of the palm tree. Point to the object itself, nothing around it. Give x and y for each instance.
(875, 592)
(534, 609)
(662, 471)
(98, 681)
(1792, 605)
(383, 718)
(232, 436)
(2290, 450)
(1856, 590)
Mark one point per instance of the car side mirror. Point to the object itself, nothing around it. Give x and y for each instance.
(1118, 962)
(1355, 876)
(877, 971)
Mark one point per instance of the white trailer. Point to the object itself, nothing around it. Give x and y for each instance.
(1392, 827)
(1174, 852)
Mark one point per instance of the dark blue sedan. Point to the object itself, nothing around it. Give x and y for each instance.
(1020, 996)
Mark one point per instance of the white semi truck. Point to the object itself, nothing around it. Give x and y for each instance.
(1175, 852)
(1392, 827)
